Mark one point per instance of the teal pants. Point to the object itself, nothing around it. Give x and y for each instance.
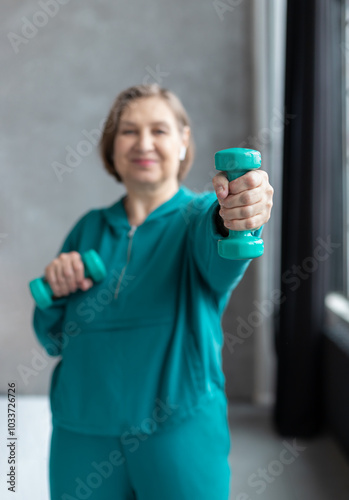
(185, 462)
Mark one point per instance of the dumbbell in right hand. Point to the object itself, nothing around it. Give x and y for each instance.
(239, 244)
(93, 268)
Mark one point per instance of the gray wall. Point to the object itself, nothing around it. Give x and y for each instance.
(60, 79)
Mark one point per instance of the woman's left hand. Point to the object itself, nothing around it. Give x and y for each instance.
(245, 202)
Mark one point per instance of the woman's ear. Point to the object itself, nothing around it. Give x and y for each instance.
(185, 142)
(186, 135)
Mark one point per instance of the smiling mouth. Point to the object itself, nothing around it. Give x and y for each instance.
(144, 162)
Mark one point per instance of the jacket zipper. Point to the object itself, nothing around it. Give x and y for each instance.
(130, 235)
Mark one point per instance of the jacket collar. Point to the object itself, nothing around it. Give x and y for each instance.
(116, 214)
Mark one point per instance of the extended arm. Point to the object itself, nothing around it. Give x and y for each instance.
(206, 228)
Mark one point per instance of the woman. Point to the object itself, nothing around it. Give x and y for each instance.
(137, 398)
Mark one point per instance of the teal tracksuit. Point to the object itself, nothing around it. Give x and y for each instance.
(140, 352)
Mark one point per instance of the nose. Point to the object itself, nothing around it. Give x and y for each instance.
(145, 141)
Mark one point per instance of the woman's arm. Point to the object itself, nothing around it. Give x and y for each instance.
(239, 205)
(206, 228)
(48, 323)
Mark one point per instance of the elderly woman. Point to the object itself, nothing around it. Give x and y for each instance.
(137, 398)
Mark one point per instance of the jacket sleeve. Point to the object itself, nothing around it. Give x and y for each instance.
(221, 274)
(48, 323)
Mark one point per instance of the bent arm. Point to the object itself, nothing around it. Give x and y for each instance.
(48, 323)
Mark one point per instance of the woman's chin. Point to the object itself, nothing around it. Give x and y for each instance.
(145, 178)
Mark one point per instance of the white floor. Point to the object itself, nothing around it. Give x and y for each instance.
(33, 429)
(264, 465)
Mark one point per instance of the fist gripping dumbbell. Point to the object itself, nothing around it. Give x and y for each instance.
(239, 244)
(93, 268)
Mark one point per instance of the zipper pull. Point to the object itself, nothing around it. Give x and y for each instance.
(130, 235)
(131, 231)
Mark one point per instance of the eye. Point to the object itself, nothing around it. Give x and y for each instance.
(158, 131)
(127, 131)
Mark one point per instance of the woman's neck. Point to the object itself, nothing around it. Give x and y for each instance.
(139, 203)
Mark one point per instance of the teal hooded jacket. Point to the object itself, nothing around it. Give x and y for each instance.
(141, 350)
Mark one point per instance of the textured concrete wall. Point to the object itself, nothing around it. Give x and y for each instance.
(63, 64)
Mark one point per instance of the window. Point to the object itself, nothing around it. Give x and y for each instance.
(338, 300)
(345, 177)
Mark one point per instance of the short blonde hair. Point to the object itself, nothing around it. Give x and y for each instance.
(106, 143)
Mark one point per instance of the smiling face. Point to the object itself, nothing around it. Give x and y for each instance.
(147, 144)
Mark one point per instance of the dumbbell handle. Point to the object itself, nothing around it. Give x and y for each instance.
(93, 268)
(239, 244)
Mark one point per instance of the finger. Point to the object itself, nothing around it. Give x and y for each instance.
(66, 275)
(57, 282)
(51, 278)
(221, 185)
(241, 213)
(250, 224)
(250, 180)
(78, 267)
(248, 197)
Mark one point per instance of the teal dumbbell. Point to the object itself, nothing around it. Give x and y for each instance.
(93, 268)
(239, 244)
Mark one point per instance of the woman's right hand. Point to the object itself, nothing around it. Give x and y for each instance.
(65, 274)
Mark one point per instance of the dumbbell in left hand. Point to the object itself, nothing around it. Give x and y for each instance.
(93, 268)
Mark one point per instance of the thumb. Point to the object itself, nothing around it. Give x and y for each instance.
(86, 284)
(221, 193)
(221, 186)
